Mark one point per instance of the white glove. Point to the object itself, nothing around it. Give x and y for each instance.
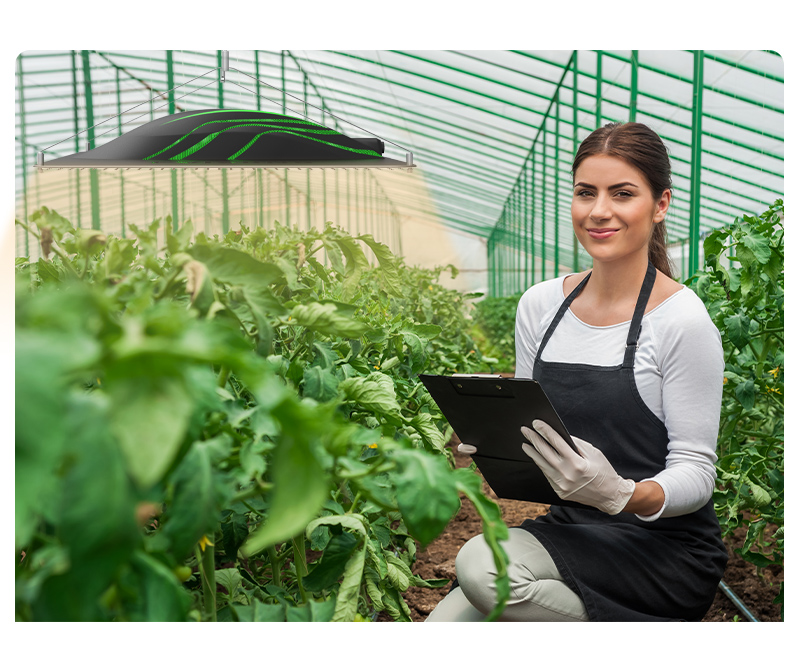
(590, 479)
(467, 449)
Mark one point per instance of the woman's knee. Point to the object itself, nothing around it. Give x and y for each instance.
(476, 573)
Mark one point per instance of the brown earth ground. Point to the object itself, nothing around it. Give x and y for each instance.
(437, 561)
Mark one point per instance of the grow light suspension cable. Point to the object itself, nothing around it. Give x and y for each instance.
(40, 155)
(409, 154)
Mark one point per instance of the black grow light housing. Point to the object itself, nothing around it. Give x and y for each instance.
(231, 138)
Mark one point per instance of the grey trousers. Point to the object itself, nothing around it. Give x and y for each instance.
(538, 592)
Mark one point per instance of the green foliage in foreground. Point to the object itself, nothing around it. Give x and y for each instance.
(231, 429)
(746, 304)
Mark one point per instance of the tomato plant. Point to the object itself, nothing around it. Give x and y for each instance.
(231, 428)
(746, 302)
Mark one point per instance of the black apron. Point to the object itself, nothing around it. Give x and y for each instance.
(623, 568)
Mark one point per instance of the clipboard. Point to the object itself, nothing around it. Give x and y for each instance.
(487, 412)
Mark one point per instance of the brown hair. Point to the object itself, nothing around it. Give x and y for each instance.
(641, 147)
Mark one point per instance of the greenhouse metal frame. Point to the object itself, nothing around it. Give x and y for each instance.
(493, 134)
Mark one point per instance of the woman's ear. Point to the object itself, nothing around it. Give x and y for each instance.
(662, 205)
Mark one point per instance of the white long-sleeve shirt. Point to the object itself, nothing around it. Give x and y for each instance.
(678, 371)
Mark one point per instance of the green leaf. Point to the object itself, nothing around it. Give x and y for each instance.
(44, 217)
(356, 264)
(388, 264)
(399, 574)
(759, 246)
(300, 485)
(374, 393)
(150, 418)
(325, 319)
(423, 423)
(314, 611)
(347, 597)
(421, 473)
(235, 267)
(746, 394)
(257, 611)
(494, 531)
(737, 328)
(163, 598)
(332, 564)
(320, 384)
(199, 493)
(234, 533)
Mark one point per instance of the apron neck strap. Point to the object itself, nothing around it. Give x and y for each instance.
(560, 314)
(638, 313)
(636, 322)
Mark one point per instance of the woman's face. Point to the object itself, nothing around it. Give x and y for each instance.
(613, 210)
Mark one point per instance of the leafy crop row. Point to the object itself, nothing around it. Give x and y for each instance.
(231, 429)
(746, 303)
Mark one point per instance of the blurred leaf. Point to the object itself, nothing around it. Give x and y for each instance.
(163, 597)
(421, 473)
(200, 492)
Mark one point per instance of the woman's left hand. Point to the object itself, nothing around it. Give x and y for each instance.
(588, 478)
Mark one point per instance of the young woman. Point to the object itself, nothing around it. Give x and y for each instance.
(633, 364)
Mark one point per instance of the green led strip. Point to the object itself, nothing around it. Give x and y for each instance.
(338, 146)
(209, 138)
(246, 122)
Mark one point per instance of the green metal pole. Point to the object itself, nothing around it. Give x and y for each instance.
(223, 172)
(532, 247)
(173, 172)
(23, 150)
(308, 171)
(694, 192)
(556, 214)
(544, 191)
(93, 180)
(283, 110)
(598, 110)
(574, 144)
(526, 222)
(634, 84)
(258, 82)
(121, 171)
(76, 127)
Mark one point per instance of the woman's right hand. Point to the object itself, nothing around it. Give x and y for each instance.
(466, 449)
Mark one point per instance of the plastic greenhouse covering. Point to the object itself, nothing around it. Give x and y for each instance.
(492, 134)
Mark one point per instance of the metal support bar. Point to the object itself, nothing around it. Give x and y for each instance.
(695, 188)
(634, 84)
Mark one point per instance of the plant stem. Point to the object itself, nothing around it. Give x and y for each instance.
(207, 573)
(224, 374)
(300, 566)
(276, 567)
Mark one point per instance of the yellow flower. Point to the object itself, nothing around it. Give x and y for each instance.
(769, 389)
(373, 446)
(430, 287)
(773, 372)
(724, 380)
(203, 542)
(377, 367)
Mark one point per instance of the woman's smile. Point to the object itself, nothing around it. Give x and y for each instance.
(601, 233)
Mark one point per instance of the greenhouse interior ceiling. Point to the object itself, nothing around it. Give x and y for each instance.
(492, 135)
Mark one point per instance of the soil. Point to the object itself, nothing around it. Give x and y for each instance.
(437, 561)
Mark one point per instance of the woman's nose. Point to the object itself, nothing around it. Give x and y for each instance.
(601, 209)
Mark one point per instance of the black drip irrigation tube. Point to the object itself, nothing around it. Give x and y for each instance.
(737, 602)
